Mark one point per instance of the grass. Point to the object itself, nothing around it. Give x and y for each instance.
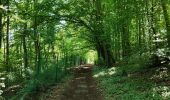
(132, 82)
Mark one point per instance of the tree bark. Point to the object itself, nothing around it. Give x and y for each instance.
(125, 36)
(167, 21)
(1, 26)
(7, 39)
(125, 41)
(105, 54)
(36, 41)
(103, 45)
(25, 46)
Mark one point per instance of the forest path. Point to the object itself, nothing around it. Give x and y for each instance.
(81, 87)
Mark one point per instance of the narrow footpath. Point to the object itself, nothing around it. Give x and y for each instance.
(82, 87)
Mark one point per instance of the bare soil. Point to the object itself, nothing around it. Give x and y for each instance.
(82, 87)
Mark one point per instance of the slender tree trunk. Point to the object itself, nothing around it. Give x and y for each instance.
(149, 29)
(153, 24)
(25, 46)
(36, 41)
(125, 41)
(7, 39)
(126, 49)
(167, 21)
(1, 27)
(56, 70)
(140, 33)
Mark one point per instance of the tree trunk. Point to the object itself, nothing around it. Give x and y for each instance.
(36, 42)
(125, 41)
(103, 45)
(105, 54)
(1, 27)
(7, 39)
(153, 27)
(126, 49)
(25, 46)
(166, 17)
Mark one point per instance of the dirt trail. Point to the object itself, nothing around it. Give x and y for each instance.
(81, 87)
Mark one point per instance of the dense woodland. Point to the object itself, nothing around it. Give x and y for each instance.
(40, 40)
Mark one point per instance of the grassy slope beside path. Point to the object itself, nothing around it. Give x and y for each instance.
(134, 83)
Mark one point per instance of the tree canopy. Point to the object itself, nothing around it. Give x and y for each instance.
(38, 35)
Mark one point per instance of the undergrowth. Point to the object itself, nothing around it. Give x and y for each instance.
(134, 79)
(39, 83)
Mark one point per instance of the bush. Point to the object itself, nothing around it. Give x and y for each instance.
(160, 57)
(40, 83)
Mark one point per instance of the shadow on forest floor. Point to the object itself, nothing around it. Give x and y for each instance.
(136, 84)
(81, 87)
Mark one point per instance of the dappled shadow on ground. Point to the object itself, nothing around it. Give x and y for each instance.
(81, 87)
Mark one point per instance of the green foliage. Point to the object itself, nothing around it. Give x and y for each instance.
(136, 62)
(134, 79)
(2, 86)
(41, 82)
(129, 87)
(41, 39)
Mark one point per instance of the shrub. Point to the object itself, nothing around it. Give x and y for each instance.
(161, 57)
(40, 83)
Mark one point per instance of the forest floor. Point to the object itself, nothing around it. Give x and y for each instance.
(82, 87)
(133, 82)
